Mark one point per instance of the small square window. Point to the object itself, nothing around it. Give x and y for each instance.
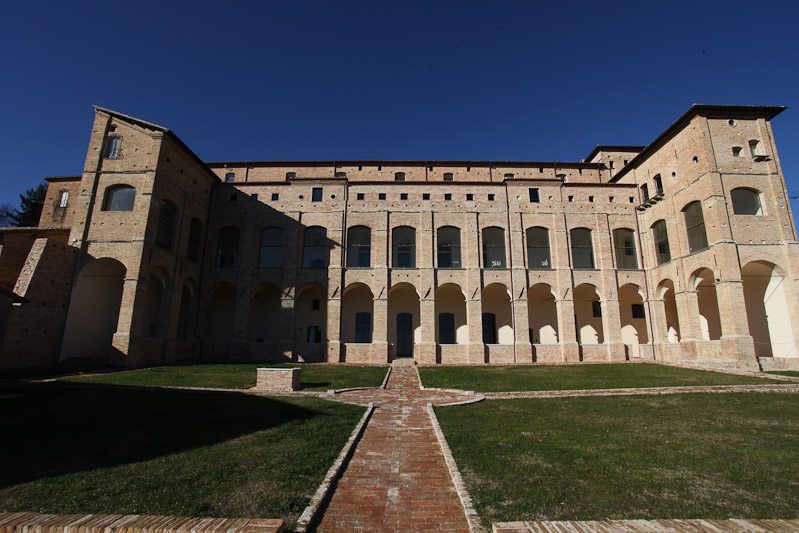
(381, 196)
(571, 198)
(448, 176)
(638, 311)
(426, 196)
(404, 196)
(275, 197)
(316, 194)
(491, 197)
(611, 198)
(534, 196)
(316, 304)
(399, 176)
(230, 177)
(590, 198)
(469, 197)
(360, 196)
(447, 196)
(254, 196)
(632, 199)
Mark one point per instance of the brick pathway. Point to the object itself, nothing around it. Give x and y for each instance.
(397, 479)
(649, 526)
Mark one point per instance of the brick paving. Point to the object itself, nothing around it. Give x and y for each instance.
(118, 523)
(649, 526)
(397, 479)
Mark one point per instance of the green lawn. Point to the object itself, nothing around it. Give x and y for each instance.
(792, 373)
(88, 448)
(568, 377)
(241, 376)
(681, 456)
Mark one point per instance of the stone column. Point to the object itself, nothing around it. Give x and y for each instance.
(285, 347)
(427, 319)
(736, 342)
(474, 318)
(335, 350)
(567, 329)
(380, 328)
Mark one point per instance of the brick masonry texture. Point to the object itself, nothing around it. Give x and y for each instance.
(278, 379)
(681, 251)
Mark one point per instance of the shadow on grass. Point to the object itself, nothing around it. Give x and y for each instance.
(56, 428)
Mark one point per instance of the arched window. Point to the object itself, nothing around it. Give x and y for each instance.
(119, 198)
(230, 177)
(695, 226)
(582, 248)
(403, 247)
(314, 249)
(448, 176)
(227, 247)
(271, 253)
(399, 176)
(493, 247)
(538, 248)
(624, 243)
(195, 240)
(449, 247)
(359, 247)
(166, 225)
(661, 239)
(363, 327)
(746, 202)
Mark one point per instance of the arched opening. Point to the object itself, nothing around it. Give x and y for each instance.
(451, 326)
(314, 248)
(404, 325)
(746, 201)
(263, 321)
(155, 315)
(119, 198)
(310, 314)
(94, 309)
(227, 247)
(666, 293)
(538, 256)
(493, 247)
(357, 311)
(588, 315)
(582, 248)
(403, 247)
(695, 226)
(448, 245)
(624, 244)
(359, 247)
(220, 318)
(767, 310)
(660, 236)
(187, 310)
(497, 315)
(703, 281)
(632, 313)
(271, 249)
(542, 314)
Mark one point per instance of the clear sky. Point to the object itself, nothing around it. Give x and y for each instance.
(385, 80)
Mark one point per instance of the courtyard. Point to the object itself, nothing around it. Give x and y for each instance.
(192, 440)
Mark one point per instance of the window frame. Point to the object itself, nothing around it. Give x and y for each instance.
(589, 247)
(531, 247)
(273, 249)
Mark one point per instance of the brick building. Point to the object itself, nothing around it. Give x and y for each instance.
(683, 250)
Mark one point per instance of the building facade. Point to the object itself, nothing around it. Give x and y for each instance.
(682, 251)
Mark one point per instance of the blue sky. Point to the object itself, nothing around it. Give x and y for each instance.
(401, 80)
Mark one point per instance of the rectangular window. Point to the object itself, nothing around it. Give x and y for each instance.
(491, 197)
(447, 196)
(489, 328)
(446, 328)
(381, 196)
(426, 196)
(275, 197)
(363, 327)
(596, 309)
(645, 192)
(638, 311)
(63, 199)
(254, 196)
(360, 196)
(534, 197)
(316, 304)
(316, 194)
(112, 147)
(469, 197)
(404, 196)
(314, 335)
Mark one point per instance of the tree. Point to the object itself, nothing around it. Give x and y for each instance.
(30, 208)
(6, 215)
